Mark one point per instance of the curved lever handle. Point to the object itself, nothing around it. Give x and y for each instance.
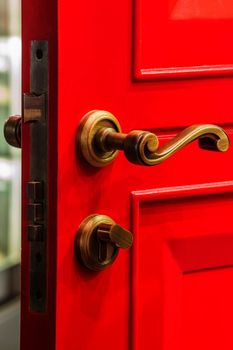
(99, 137)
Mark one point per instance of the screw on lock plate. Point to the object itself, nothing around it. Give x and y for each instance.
(98, 241)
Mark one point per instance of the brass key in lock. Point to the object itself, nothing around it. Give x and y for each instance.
(98, 241)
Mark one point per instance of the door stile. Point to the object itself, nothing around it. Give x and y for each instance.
(39, 22)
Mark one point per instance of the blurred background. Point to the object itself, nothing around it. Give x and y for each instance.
(10, 104)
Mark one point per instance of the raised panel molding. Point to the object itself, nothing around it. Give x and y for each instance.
(178, 39)
(177, 233)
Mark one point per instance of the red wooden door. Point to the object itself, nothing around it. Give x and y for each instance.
(158, 66)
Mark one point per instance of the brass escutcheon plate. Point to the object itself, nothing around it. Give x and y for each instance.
(87, 245)
(89, 127)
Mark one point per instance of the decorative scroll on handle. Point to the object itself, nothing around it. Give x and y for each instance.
(99, 138)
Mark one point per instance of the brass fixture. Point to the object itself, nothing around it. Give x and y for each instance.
(12, 131)
(33, 111)
(99, 138)
(98, 241)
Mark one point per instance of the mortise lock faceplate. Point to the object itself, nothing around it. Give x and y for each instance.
(35, 113)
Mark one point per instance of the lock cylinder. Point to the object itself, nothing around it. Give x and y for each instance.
(98, 241)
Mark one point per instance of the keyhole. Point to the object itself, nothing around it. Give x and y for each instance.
(102, 251)
(39, 54)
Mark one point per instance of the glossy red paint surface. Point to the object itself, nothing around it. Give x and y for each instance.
(177, 299)
(153, 295)
(182, 38)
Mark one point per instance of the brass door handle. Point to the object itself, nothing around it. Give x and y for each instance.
(99, 138)
(98, 241)
(12, 131)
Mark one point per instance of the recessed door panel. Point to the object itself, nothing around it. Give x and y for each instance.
(182, 267)
(207, 310)
(182, 38)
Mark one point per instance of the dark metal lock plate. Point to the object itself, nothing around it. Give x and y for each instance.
(36, 113)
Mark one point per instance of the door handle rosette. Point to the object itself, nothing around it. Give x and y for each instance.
(99, 138)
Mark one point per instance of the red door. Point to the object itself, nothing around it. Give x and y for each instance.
(158, 66)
